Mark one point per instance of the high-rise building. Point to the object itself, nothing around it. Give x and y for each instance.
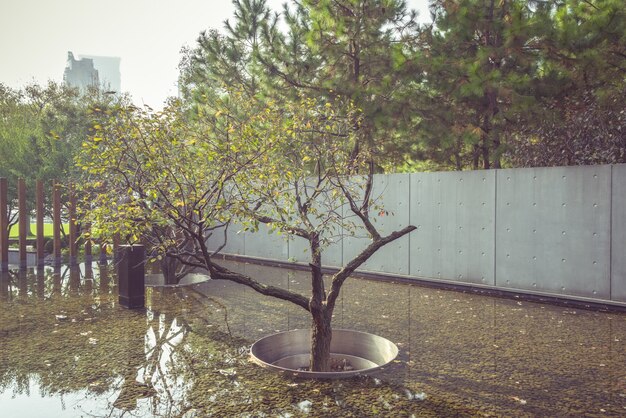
(80, 73)
(88, 71)
(108, 70)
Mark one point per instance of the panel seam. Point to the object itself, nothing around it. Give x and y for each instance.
(495, 228)
(410, 223)
(611, 233)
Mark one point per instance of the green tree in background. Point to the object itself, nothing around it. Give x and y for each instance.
(41, 130)
(484, 65)
(583, 120)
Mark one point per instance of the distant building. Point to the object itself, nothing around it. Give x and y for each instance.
(80, 73)
(108, 70)
(88, 71)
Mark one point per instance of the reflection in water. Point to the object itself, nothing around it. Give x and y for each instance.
(88, 285)
(56, 280)
(74, 279)
(68, 349)
(5, 283)
(41, 283)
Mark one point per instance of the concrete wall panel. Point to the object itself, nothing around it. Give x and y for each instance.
(215, 240)
(553, 230)
(266, 245)
(618, 226)
(235, 240)
(392, 192)
(453, 213)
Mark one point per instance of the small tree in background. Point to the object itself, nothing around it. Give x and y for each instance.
(291, 167)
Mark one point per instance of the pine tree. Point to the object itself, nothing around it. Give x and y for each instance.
(483, 63)
(356, 50)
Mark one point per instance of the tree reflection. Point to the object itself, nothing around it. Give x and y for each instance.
(78, 343)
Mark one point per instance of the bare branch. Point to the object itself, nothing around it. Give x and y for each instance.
(340, 277)
(221, 273)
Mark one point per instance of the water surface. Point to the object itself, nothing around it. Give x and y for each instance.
(68, 349)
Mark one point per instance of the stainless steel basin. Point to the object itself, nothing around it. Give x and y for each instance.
(290, 350)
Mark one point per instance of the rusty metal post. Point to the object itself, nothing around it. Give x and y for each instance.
(22, 284)
(103, 252)
(41, 282)
(104, 279)
(57, 280)
(116, 248)
(40, 213)
(23, 220)
(74, 282)
(56, 222)
(73, 230)
(5, 283)
(88, 246)
(4, 225)
(131, 276)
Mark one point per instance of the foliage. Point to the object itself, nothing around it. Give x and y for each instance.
(41, 129)
(584, 121)
(585, 130)
(463, 92)
(515, 79)
(482, 65)
(355, 51)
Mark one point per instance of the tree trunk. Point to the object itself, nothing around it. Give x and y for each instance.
(322, 334)
(320, 326)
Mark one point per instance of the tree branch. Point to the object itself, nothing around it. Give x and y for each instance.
(221, 273)
(340, 277)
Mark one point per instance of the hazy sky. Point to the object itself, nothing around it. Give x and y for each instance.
(147, 35)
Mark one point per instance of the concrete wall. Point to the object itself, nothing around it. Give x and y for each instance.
(555, 231)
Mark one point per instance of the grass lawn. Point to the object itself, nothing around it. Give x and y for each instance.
(47, 230)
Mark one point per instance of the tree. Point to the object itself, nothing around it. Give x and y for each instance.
(356, 51)
(583, 120)
(483, 61)
(289, 166)
(580, 129)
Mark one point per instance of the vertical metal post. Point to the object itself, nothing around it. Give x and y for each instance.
(40, 212)
(88, 249)
(131, 276)
(22, 284)
(116, 247)
(57, 280)
(5, 282)
(103, 252)
(88, 279)
(23, 220)
(56, 221)
(73, 229)
(104, 279)
(4, 225)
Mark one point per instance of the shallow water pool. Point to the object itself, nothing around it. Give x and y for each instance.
(68, 349)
